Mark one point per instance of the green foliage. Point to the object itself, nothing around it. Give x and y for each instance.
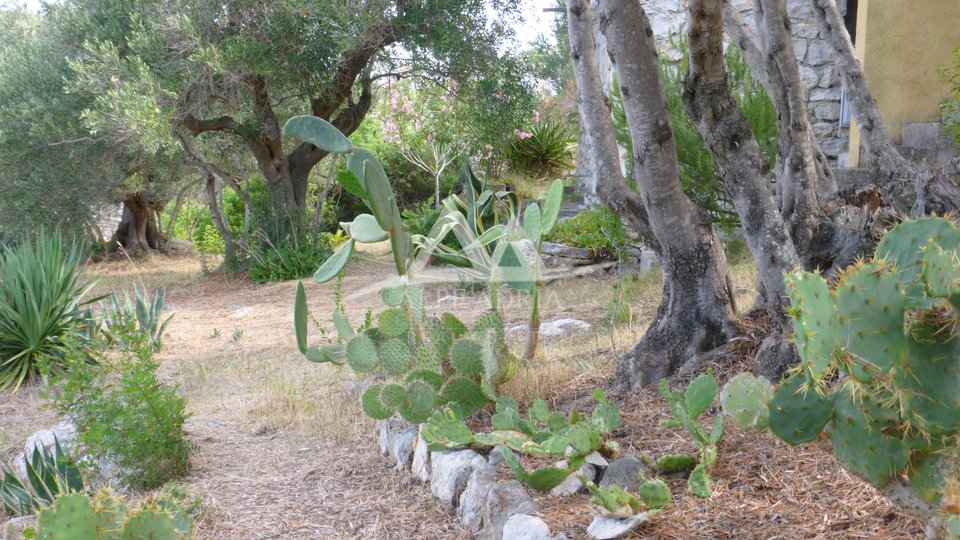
(687, 407)
(140, 315)
(746, 400)
(951, 106)
(295, 259)
(104, 517)
(42, 310)
(49, 474)
(544, 152)
(124, 414)
(891, 326)
(654, 494)
(542, 479)
(597, 229)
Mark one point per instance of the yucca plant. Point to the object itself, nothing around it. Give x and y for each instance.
(42, 311)
(140, 313)
(546, 151)
(49, 474)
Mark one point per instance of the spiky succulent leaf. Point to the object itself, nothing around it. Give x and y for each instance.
(393, 322)
(870, 453)
(746, 399)
(373, 405)
(69, 518)
(465, 357)
(798, 413)
(672, 463)
(870, 315)
(453, 325)
(699, 481)
(700, 394)
(335, 264)
(432, 378)
(362, 354)
(814, 321)
(466, 393)
(319, 133)
(655, 494)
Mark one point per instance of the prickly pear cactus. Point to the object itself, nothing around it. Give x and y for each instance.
(890, 329)
(687, 407)
(103, 517)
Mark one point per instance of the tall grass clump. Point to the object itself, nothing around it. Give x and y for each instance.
(42, 310)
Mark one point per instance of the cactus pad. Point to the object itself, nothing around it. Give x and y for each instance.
(439, 336)
(941, 271)
(362, 354)
(419, 402)
(904, 244)
(870, 311)
(373, 405)
(70, 517)
(798, 412)
(428, 358)
(466, 393)
(395, 355)
(392, 395)
(152, 524)
(928, 378)
(453, 325)
(699, 481)
(813, 320)
(655, 494)
(393, 322)
(434, 379)
(672, 463)
(465, 357)
(393, 296)
(746, 399)
(489, 322)
(926, 476)
(867, 452)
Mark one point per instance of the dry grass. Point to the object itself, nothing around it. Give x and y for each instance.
(283, 451)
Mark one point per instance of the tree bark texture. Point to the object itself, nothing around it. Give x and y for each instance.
(137, 231)
(710, 104)
(697, 308)
(597, 124)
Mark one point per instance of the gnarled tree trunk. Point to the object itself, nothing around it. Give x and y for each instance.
(697, 307)
(137, 231)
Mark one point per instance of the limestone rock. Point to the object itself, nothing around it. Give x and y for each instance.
(66, 433)
(503, 501)
(451, 469)
(572, 484)
(526, 527)
(608, 527)
(470, 510)
(389, 429)
(421, 460)
(624, 472)
(402, 448)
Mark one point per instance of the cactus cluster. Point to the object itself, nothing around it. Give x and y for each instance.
(880, 366)
(653, 493)
(542, 432)
(424, 362)
(103, 517)
(687, 407)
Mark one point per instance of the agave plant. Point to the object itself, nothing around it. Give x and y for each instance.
(140, 313)
(49, 474)
(545, 152)
(42, 310)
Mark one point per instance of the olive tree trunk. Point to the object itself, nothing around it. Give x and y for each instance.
(138, 233)
(697, 309)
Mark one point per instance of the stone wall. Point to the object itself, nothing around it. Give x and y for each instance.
(819, 75)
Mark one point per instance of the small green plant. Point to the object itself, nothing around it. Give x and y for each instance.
(687, 407)
(654, 494)
(124, 414)
(237, 334)
(297, 258)
(597, 229)
(42, 309)
(544, 152)
(890, 327)
(138, 315)
(104, 517)
(49, 474)
(542, 432)
(215, 333)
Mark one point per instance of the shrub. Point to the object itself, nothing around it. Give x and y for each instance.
(139, 315)
(295, 260)
(124, 414)
(41, 307)
(544, 152)
(597, 229)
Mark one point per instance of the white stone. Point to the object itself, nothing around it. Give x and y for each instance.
(451, 469)
(609, 527)
(526, 527)
(421, 460)
(470, 510)
(402, 448)
(389, 429)
(562, 326)
(572, 484)
(596, 459)
(65, 432)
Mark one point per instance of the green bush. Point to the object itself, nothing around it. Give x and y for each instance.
(41, 307)
(124, 414)
(544, 152)
(295, 260)
(597, 229)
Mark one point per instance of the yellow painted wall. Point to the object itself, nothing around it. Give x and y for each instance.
(902, 44)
